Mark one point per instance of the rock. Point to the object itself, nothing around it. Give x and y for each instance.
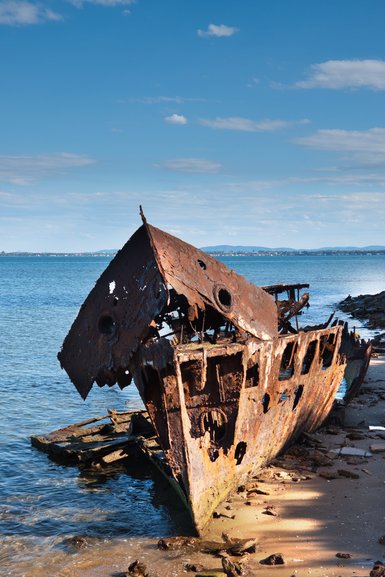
(77, 542)
(320, 460)
(355, 436)
(137, 569)
(217, 515)
(196, 567)
(282, 475)
(270, 510)
(343, 555)
(348, 474)
(332, 430)
(297, 451)
(351, 452)
(239, 547)
(329, 475)
(236, 547)
(377, 448)
(230, 568)
(381, 540)
(354, 461)
(312, 438)
(274, 559)
(366, 307)
(378, 570)
(174, 543)
(257, 492)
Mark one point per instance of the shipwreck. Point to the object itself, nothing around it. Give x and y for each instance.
(228, 379)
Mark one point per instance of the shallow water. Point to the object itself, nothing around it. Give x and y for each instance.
(42, 503)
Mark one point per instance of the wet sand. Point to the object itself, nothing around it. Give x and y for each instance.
(313, 519)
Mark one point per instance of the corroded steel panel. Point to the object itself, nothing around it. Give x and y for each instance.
(121, 311)
(206, 281)
(224, 411)
(115, 317)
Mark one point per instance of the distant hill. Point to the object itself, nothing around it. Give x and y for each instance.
(228, 248)
(111, 251)
(223, 249)
(241, 248)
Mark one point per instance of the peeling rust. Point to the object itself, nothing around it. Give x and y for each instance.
(227, 381)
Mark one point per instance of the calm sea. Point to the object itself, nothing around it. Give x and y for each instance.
(42, 503)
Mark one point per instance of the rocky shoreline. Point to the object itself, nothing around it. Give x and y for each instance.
(369, 309)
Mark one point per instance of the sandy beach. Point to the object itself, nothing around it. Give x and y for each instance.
(324, 498)
(315, 517)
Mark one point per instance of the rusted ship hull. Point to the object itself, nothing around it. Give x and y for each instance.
(224, 411)
(224, 390)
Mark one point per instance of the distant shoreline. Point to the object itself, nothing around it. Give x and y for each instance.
(269, 252)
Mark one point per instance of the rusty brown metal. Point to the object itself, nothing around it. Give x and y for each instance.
(290, 306)
(156, 273)
(224, 390)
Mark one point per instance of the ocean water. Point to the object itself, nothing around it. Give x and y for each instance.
(42, 503)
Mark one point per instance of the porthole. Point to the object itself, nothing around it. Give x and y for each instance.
(223, 298)
(107, 325)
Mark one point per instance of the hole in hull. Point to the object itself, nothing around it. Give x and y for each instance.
(240, 452)
(107, 325)
(214, 422)
(265, 402)
(297, 396)
(286, 370)
(308, 358)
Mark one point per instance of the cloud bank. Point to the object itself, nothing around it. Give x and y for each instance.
(25, 169)
(20, 13)
(192, 165)
(80, 3)
(340, 74)
(364, 146)
(248, 125)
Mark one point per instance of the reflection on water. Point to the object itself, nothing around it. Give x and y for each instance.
(125, 502)
(41, 503)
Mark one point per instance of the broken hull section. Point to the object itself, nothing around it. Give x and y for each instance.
(227, 385)
(223, 411)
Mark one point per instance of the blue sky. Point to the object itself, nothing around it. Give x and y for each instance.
(256, 122)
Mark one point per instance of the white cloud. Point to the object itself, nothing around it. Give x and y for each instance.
(159, 100)
(339, 74)
(192, 165)
(80, 3)
(253, 82)
(24, 169)
(218, 30)
(365, 146)
(176, 119)
(248, 125)
(16, 13)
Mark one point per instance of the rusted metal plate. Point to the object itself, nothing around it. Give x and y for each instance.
(120, 312)
(223, 411)
(206, 281)
(115, 317)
